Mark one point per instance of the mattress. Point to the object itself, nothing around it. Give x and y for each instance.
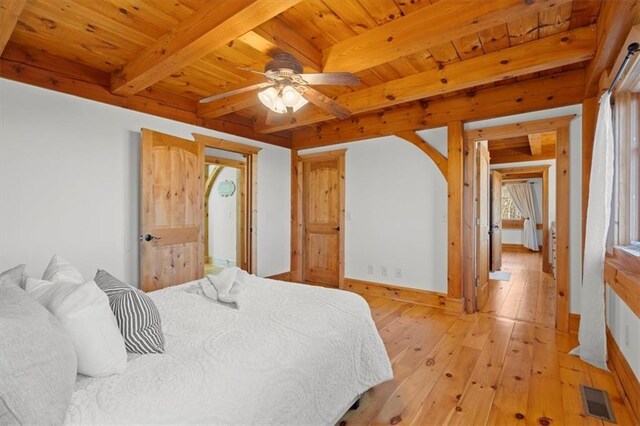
(292, 354)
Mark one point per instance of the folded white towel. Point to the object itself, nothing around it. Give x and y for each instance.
(226, 286)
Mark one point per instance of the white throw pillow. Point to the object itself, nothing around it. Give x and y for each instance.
(59, 270)
(83, 309)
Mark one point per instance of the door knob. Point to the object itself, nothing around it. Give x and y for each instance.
(149, 237)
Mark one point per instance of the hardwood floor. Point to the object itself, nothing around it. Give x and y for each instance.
(507, 365)
(530, 293)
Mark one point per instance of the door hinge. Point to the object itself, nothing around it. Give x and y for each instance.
(477, 282)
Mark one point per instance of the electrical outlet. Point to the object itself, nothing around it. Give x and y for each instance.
(370, 269)
(398, 273)
(383, 271)
(626, 335)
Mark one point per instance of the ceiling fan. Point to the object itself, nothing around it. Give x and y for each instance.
(287, 89)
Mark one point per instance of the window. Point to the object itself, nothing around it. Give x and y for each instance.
(509, 209)
(625, 229)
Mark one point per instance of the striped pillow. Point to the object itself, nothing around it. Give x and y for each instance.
(136, 315)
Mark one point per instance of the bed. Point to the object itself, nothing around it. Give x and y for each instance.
(290, 354)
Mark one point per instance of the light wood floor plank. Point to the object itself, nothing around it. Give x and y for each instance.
(504, 366)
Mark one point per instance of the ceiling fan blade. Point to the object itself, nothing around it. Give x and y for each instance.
(235, 92)
(333, 78)
(251, 70)
(325, 103)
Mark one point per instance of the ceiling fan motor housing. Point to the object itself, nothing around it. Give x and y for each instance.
(283, 62)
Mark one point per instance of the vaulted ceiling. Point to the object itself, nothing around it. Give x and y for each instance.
(420, 62)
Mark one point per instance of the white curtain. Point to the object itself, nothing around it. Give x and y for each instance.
(523, 199)
(592, 337)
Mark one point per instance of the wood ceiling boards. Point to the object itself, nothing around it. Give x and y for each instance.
(414, 58)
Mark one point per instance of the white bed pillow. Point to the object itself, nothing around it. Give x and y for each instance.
(83, 309)
(60, 270)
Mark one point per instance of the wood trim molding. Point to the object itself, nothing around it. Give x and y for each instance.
(217, 161)
(427, 148)
(574, 323)
(455, 188)
(627, 380)
(324, 154)
(516, 224)
(297, 233)
(623, 278)
(404, 294)
(284, 276)
(516, 247)
(225, 145)
(468, 230)
(563, 219)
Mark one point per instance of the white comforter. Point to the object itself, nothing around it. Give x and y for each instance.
(293, 354)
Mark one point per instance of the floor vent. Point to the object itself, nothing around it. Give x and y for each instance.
(596, 403)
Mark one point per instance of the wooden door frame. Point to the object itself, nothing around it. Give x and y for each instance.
(250, 216)
(476, 214)
(297, 211)
(561, 126)
(533, 172)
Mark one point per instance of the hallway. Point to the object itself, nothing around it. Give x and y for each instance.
(529, 295)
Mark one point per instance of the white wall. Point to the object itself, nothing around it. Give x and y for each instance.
(396, 209)
(69, 184)
(625, 328)
(575, 186)
(223, 219)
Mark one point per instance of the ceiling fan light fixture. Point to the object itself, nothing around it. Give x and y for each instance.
(279, 100)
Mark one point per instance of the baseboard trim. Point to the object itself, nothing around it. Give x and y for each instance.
(403, 294)
(574, 323)
(284, 276)
(626, 378)
(517, 247)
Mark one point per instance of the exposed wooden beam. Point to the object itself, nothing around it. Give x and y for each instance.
(455, 205)
(532, 95)
(549, 153)
(430, 26)
(237, 126)
(207, 29)
(549, 52)
(535, 143)
(10, 11)
(519, 129)
(427, 148)
(615, 20)
(155, 104)
(227, 105)
(275, 35)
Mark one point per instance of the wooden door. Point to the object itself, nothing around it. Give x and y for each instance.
(323, 211)
(172, 206)
(496, 221)
(482, 224)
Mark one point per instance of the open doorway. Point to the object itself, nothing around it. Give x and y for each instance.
(523, 156)
(223, 216)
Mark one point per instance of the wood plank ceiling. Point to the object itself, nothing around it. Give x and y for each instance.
(415, 58)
